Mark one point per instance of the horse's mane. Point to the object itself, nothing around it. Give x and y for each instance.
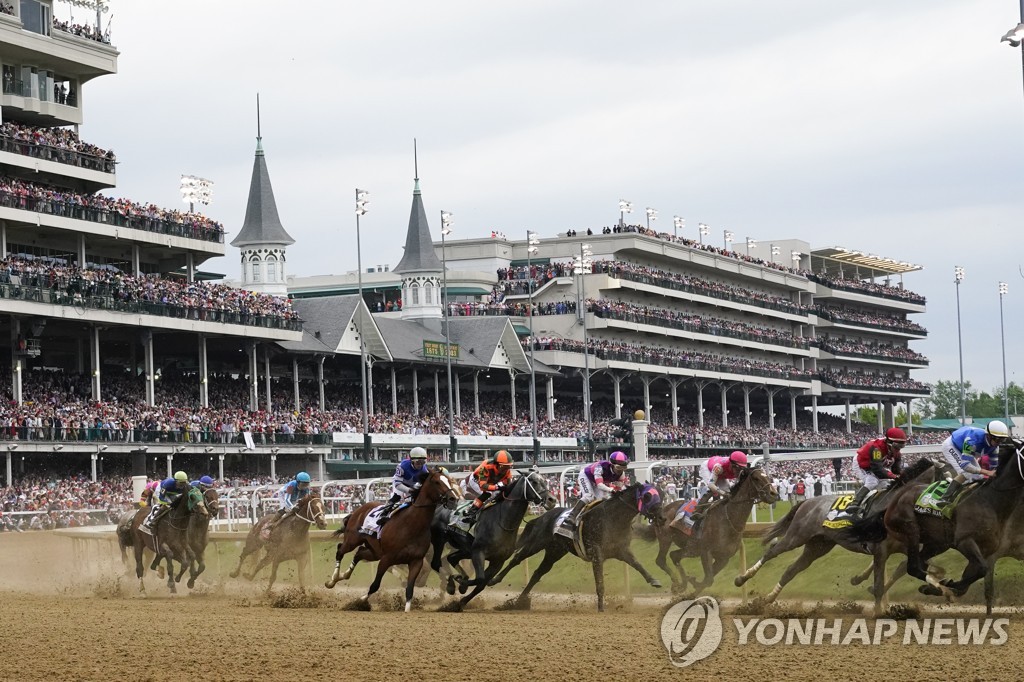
(914, 470)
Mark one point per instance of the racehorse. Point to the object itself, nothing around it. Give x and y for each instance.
(404, 539)
(975, 528)
(353, 540)
(605, 535)
(494, 535)
(289, 540)
(169, 539)
(198, 531)
(721, 532)
(802, 527)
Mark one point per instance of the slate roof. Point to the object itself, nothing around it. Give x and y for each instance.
(262, 225)
(419, 247)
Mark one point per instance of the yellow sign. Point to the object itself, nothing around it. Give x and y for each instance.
(436, 349)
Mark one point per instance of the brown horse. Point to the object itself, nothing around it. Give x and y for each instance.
(289, 540)
(198, 531)
(404, 540)
(721, 532)
(975, 529)
(169, 539)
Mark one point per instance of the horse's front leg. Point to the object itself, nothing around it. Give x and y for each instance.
(410, 586)
(597, 563)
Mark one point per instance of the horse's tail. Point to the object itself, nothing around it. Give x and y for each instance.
(341, 530)
(780, 527)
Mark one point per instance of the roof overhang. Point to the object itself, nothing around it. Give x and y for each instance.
(882, 264)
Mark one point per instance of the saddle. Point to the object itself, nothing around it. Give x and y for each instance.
(926, 502)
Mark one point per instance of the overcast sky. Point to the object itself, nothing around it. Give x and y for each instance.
(895, 128)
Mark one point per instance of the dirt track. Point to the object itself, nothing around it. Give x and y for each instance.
(83, 623)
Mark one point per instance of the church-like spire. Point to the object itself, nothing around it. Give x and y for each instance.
(262, 224)
(419, 247)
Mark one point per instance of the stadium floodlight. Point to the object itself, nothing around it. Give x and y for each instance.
(727, 238)
(704, 231)
(958, 276)
(678, 224)
(532, 247)
(196, 190)
(795, 256)
(362, 201)
(751, 244)
(775, 250)
(624, 208)
(1003, 290)
(447, 220)
(1015, 36)
(582, 265)
(651, 215)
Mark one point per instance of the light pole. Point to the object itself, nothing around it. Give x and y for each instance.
(624, 208)
(581, 265)
(796, 257)
(1003, 290)
(958, 276)
(727, 238)
(532, 246)
(362, 199)
(195, 190)
(703, 230)
(775, 251)
(447, 220)
(751, 244)
(678, 224)
(651, 215)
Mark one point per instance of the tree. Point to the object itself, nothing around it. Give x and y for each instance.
(866, 414)
(944, 402)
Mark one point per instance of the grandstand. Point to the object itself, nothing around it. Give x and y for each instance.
(122, 347)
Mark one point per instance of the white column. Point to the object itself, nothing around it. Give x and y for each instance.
(476, 393)
(616, 380)
(771, 410)
(266, 379)
(675, 403)
(458, 395)
(190, 267)
(94, 457)
(700, 405)
(849, 420)
(16, 361)
(3, 238)
(415, 393)
(94, 360)
(550, 393)
(814, 412)
(220, 467)
(369, 386)
(273, 466)
(437, 396)
(150, 368)
(320, 380)
(136, 260)
(746, 406)
(254, 380)
(792, 410)
(394, 391)
(879, 411)
(512, 386)
(910, 419)
(647, 396)
(170, 465)
(321, 468)
(723, 389)
(640, 441)
(10, 470)
(295, 383)
(204, 374)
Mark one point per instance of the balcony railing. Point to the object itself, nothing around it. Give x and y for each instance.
(72, 431)
(71, 208)
(58, 155)
(106, 300)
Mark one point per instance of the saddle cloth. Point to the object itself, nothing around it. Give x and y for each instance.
(926, 501)
(371, 524)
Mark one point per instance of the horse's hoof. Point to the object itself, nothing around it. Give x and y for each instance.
(739, 581)
(655, 582)
(234, 574)
(463, 587)
(191, 584)
(330, 584)
(930, 590)
(450, 587)
(855, 580)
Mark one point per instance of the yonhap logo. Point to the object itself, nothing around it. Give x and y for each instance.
(691, 630)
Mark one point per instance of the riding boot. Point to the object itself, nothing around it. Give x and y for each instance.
(469, 516)
(951, 492)
(853, 509)
(568, 526)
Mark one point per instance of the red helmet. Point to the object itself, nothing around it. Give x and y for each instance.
(738, 458)
(896, 436)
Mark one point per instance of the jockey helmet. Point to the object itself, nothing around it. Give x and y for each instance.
(619, 459)
(417, 453)
(997, 431)
(194, 484)
(502, 459)
(206, 480)
(896, 436)
(302, 479)
(738, 458)
(181, 476)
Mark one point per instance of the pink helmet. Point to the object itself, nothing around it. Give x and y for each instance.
(619, 458)
(738, 458)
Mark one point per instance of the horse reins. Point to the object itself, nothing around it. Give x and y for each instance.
(315, 516)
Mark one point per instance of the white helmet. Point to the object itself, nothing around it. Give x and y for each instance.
(417, 453)
(997, 429)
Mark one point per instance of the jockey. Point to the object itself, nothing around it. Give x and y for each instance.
(406, 480)
(289, 495)
(597, 481)
(962, 449)
(490, 477)
(169, 490)
(148, 492)
(205, 483)
(875, 464)
(714, 473)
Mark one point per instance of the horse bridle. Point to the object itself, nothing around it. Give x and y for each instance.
(526, 483)
(449, 489)
(758, 495)
(315, 516)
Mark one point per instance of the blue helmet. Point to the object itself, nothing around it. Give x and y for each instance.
(206, 480)
(194, 484)
(302, 477)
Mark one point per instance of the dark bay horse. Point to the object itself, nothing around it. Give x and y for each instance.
(404, 539)
(975, 529)
(169, 540)
(606, 535)
(289, 540)
(721, 532)
(494, 535)
(802, 527)
(198, 533)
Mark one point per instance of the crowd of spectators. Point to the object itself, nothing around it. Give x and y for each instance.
(144, 293)
(608, 349)
(881, 351)
(872, 288)
(513, 308)
(18, 194)
(872, 381)
(878, 320)
(6, 8)
(82, 31)
(62, 145)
